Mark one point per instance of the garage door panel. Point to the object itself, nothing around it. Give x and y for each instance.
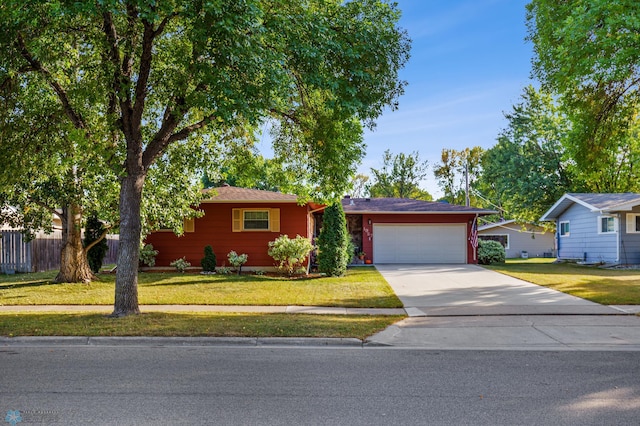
(427, 243)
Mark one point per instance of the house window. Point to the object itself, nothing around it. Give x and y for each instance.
(564, 229)
(502, 239)
(633, 223)
(606, 224)
(256, 220)
(188, 225)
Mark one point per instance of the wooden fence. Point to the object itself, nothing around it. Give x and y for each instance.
(40, 254)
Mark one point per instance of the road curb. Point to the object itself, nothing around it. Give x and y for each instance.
(177, 341)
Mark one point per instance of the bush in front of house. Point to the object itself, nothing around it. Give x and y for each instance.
(490, 252)
(180, 264)
(148, 255)
(209, 260)
(96, 254)
(333, 242)
(237, 260)
(290, 253)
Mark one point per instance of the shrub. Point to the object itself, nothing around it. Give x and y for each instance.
(180, 264)
(96, 254)
(490, 252)
(224, 270)
(333, 242)
(209, 260)
(148, 255)
(237, 260)
(290, 253)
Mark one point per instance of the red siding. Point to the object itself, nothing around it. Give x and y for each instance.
(215, 229)
(367, 228)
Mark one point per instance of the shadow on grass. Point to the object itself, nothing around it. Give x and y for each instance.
(29, 284)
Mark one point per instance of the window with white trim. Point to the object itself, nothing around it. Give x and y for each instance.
(256, 220)
(633, 223)
(606, 224)
(564, 229)
(501, 238)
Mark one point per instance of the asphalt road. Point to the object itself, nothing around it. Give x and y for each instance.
(316, 386)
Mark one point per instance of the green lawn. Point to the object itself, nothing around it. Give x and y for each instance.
(194, 324)
(361, 287)
(605, 286)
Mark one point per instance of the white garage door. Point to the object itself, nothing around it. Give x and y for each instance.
(412, 243)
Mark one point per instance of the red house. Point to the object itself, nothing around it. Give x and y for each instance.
(388, 230)
(239, 219)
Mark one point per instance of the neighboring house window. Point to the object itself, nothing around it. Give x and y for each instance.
(633, 223)
(256, 220)
(564, 229)
(606, 224)
(502, 239)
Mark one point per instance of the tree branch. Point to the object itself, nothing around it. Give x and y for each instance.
(100, 238)
(76, 118)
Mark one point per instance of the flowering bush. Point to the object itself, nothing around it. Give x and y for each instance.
(290, 253)
(180, 264)
(148, 255)
(237, 260)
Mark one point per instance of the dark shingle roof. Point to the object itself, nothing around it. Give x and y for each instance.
(404, 205)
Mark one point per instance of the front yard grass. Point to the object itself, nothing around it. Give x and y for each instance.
(361, 287)
(194, 324)
(604, 286)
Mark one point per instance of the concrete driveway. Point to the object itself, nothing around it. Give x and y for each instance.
(445, 290)
(469, 307)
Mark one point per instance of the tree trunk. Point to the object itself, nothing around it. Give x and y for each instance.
(126, 300)
(74, 267)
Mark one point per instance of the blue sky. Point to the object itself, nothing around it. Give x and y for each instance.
(469, 63)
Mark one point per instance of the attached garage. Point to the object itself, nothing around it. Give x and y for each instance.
(420, 243)
(401, 230)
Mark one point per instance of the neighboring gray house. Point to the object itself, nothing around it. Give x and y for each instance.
(597, 227)
(517, 237)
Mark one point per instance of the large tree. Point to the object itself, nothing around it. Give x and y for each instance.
(143, 84)
(456, 170)
(526, 171)
(588, 52)
(400, 177)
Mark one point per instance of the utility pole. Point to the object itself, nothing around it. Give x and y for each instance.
(466, 182)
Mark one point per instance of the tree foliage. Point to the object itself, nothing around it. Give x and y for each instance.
(400, 177)
(526, 171)
(587, 52)
(359, 186)
(450, 173)
(333, 242)
(146, 90)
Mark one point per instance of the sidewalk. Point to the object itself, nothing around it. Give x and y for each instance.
(515, 332)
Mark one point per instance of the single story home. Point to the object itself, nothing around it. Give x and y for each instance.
(400, 230)
(519, 239)
(598, 228)
(238, 219)
(389, 230)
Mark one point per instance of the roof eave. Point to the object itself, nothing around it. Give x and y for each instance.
(479, 212)
(210, 201)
